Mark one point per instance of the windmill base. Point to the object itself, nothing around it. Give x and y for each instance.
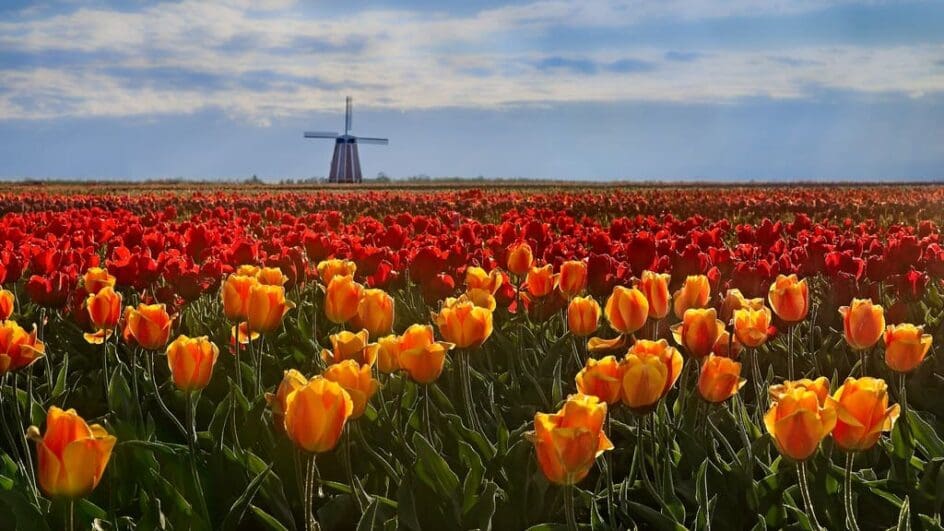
(345, 164)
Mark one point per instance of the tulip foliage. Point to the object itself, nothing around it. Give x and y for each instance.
(651, 358)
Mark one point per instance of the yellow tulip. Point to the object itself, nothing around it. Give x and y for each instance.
(374, 312)
(267, 306)
(789, 298)
(583, 316)
(601, 378)
(477, 278)
(104, 309)
(649, 370)
(698, 331)
(862, 413)
(149, 324)
(626, 309)
(71, 455)
(520, 259)
(328, 269)
(733, 301)
(750, 326)
(271, 276)
(720, 378)
(236, 290)
(342, 299)
(573, 278)
(655, 286)
(694, 293)
(347, 345)
(797, 420)
(569, 441)
(420, 355)
(292, 380)
(18, 348)
(388, 354)
(315, 414)
(97, 278)
(463, 323)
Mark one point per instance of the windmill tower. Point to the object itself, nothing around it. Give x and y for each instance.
(345, 164)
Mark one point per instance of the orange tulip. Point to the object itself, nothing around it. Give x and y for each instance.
(819, 387)
(18, 348)
(292, 380)
(477, 278)
(149, 324)
(72, 455)
(583, 316)
(750, 326)
(573, 278)
(569, 441)
(520, 259)
(374, 312)
(315, 414)
(626, 309)
(104, 309)
(462, 323)
(267, 306)
(733, 301)
(698, 331)
(789, 298)
(271, 276)
(601, 378)
(862, 413)
(342, 299)
(655, 286)
(694, 293)
(797, 420)
(420, 355)
(388, 354)
(482, 298)
(328, 269)
(356, 380)
(242, 334)
(862, 323)
(350, 346)
(540, 281)
(248, 270)
(720, 378)
(649, 370)
(236, 290)
(7, 302)
(191, 361)
(726, 346)
(97, 278)
(906, 345)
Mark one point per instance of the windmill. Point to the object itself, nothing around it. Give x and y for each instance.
(345, 164)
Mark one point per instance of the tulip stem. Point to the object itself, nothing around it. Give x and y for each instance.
(805, 493)
(759, 395)
(790, 334)
(465, 374)
(851, 523)
(863, 360)
(192, 442)
(736, 406)
(160, 401)
(31, 476)
(105, 367)
(903, 398)
(71, 515)
(239, 368)
(427, 421)
(611, 513)
(569, 508)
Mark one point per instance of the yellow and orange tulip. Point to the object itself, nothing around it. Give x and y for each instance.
(271, 276)
(292, 380)
(601, 378)
(191, 361)
(342, 298)
(583, 316)
(463, 323)
(750, 326)
(7, 303)
(104, 309)
(520, 259)
(906, 346)
(648, 371)
(733, 301)
(862, 413)
(698, 331)
(420, 355)
(388, 354)
(862, 323)
(540, 281)
(267, 306)
(789, 298)
(477, 278)
(96, 278)
(797, 420)
(334, 267)
(573, 278)
(720, 378)
(568, 442)
(149, 325)
(357, 380)
(374, 312)
(347, 345)
(18, 348)
(315, 414)
(626, 309)
(655, 286)
(235, 293)
(694, 293)
(71, 455)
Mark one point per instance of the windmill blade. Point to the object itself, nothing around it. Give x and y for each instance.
(368, 140)
(320, 134)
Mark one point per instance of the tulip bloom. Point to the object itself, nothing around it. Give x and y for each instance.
(18, 349)
(906, 345)
(271, 276)
(149, 324)
(862, 413)
(420, 355)
(482, 298)
(97, 278)
(350, 346)
(698, 331)
(236, 291)
(374, 312)
(583, 316)
(540, 281)
(72, 455)
(727, 346)
(720, 379)
(649, 370)
(7, 302)
(104, 309)
(733, 301)
(569, 441)
(315, 414)
(191, 361)
(862, 323)
(750, 326)
(328, 269)
(342, 299)
(789, 298)
(248, 270)
(388, 354)
(626, 309)
(267, 306)
(477, 278)
(601, 378)
(292, 380)
(655, 286)
(797, 420)
(694, 293)
(356, 380)
(573, 278)
(520, 259)
(462, 323)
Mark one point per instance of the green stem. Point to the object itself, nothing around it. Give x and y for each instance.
(851, 523)
(71, 515)
(426, 418)
(160, 401)
(805, 493)
(790, 370)
(610, 506)
(569, 508)
(349, 468)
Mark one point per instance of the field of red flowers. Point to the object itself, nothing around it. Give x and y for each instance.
(603, 358)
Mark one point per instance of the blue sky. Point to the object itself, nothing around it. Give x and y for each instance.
(593, 89)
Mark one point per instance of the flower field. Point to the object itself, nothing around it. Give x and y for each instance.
(599, 358)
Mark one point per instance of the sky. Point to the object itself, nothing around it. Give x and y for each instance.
(724, 90)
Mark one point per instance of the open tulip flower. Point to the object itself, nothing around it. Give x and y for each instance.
(420, 355)
(569, 441)
(751, 326)
(357, 380)
(462, 323)
(271, 276)
(862, 413)
(797, 419)
(601, 378)
(96, 278)
(648, 371)
(328, 269)
(477, 278)
(18, 348)
(350, 346)
(71, 455)
(734, 300)
(906, 346)
(540, 281)
(699, 331)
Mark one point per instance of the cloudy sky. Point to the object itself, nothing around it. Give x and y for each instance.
(587, 89)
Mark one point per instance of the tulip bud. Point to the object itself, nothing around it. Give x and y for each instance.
(601, 378)
(191, 361)
(315, 414)
(342, 299)
(583, 316)
(104, 309)
(694, 293)
(520, 259)
(350, 346)
(698, 331)
(797, 420)
(97, 278)
(573, 278)
(72, 455)
(862, 323)
(750, 326)
(862, 413)
(906, 345)
(569, 441)
(477, 278)
(328, 269)
(18, 348)
(649, 370)
(463, 323)
(236, 290)
(655, 286)
(720, 378)
(388, 354)
(789, 298)
(626, 309)
(356, 380)
(7, 303)
(267, 306)
(149, 324)
(420, 355)
(540, 281)
(292, 380)
(374, 312)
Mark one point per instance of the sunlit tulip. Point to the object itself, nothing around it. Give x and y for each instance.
(819, 387)
(292, 380)
(7, 302)
(97, 278)
(315, 414)
(655, 286)
(583, 316)
(601, 378)
(573, 278)
(267, 306)
(357, 380)
(191, 361)
(71, 455)
(906, 345)
(750, 326)
(420, 355)
(789, 298)
(374, 312)
(720, 378)
(104, 309)
(694, 293)
(342, 299)
(520, 259)
(248, 270)
(477, 278)
(482, 298)
(649, 370)
(149, 324)
(463, 323)
(271, 276)
(236, 290)
(328, 269)
(698, 331)
(540, 281)
(797, 420)
(862, 413)
(727, 346)
(388, 354)
(569, 441)
(626, 309)
(733, 301)
(862, 323)
(347, 345)
(18, 348)
(242, 334)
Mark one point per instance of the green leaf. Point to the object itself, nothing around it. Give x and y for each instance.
(267, 520)
(60, 386)
(925, 435)
(656, 519)
(904, 516)
(406, 507)
(470, 485)
(238, 509)
(433, 470)
(370, 520)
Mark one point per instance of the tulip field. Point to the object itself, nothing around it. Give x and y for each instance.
(547, 357)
